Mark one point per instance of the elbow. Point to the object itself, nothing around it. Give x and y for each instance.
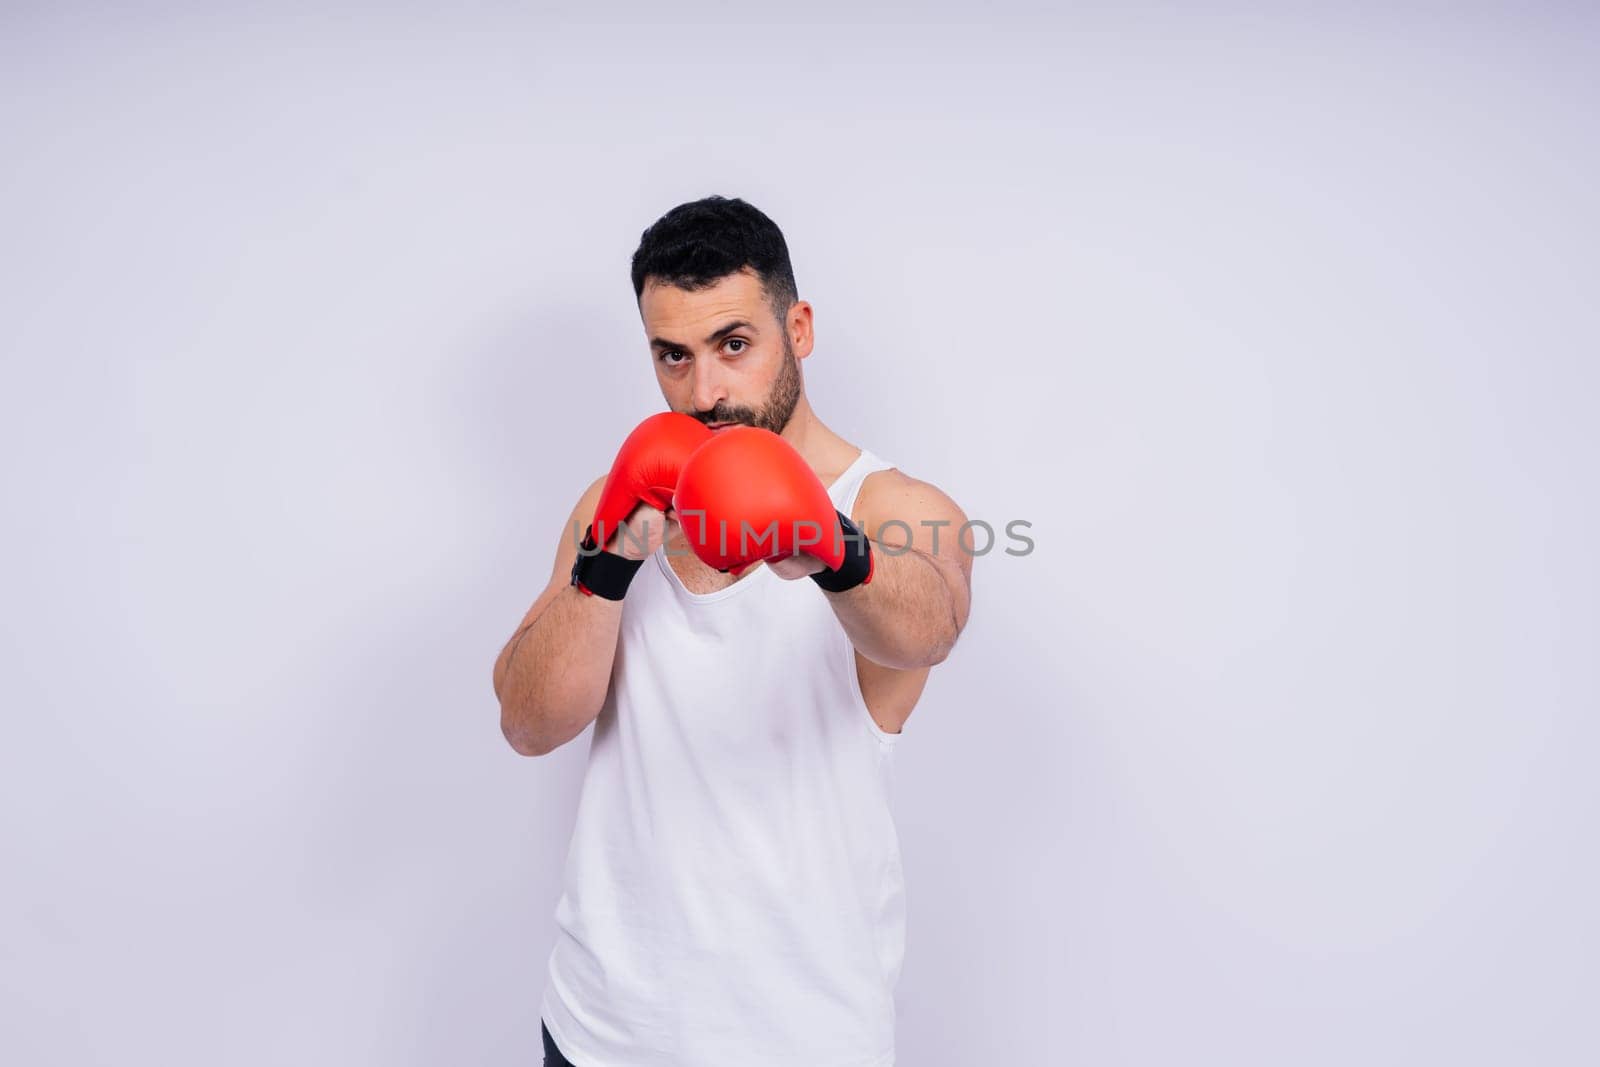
(523, 747)
(522, 741)
(931, 646)
(526, 746)
(910, 659)
(941, 649)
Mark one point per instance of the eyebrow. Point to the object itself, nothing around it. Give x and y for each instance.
(719, 334)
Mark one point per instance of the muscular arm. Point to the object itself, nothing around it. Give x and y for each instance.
(916, 605)
(551, 677)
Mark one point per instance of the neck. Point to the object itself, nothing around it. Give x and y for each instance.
(819, 446)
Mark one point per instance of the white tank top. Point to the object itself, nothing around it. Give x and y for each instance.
(733, 889)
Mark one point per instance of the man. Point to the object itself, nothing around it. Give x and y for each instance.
(733, 887)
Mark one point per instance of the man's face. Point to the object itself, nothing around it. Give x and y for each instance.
(723, 355)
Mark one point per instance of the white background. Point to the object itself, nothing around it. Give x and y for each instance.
(1279, 327)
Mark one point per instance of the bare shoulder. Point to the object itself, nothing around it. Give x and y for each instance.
(900, 511)
(890, 495)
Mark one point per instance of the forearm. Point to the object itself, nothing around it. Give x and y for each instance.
(553, 675)
(907, 616)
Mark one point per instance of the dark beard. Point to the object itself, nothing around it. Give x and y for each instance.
(779, 407)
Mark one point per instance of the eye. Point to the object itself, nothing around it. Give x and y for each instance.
(672, 358)
(741, 344)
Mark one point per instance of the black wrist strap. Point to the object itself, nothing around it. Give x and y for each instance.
(600, 573)
(856, 569)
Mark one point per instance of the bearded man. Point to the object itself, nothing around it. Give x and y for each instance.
(733, 893)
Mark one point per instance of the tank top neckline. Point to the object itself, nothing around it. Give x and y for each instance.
(763, 572)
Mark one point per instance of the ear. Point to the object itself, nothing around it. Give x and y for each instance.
(799, 328)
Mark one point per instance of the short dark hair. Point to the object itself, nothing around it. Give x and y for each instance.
(697, 244)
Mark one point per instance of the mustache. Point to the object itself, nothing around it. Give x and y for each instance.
(742, 416)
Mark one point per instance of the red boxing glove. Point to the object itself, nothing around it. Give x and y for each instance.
(746, 495)
(646, 470)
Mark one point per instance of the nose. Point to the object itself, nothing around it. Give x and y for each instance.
(708, 386)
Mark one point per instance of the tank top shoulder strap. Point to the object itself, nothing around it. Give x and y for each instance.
(847, 487)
